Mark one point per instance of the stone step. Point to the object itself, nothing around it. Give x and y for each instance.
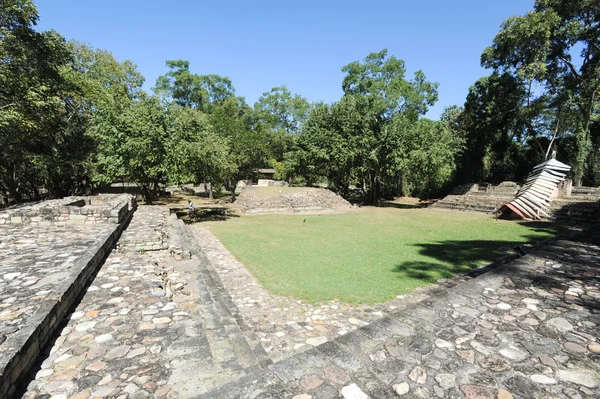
(233, 345)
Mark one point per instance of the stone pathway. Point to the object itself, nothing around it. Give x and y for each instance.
(528, 329)
(33, 260)
(159, 324)
(149, 326)
(148, 232)
(287, 326)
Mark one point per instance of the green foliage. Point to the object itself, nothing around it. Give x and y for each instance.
(196, 152)
(134, 146)
(284, 114)
(381, 80)
(38, 125)
(426, 155)
(373, 137)
(192, 90)
(282, 110)
(245, 135)
(557, 45)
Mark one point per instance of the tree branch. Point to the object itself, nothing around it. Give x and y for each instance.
(570, 65)
(552, 141)
(8, 105)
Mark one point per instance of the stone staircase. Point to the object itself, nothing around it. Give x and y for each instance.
(575, 210)
(223, 348)
(470, 202)
(578, 209)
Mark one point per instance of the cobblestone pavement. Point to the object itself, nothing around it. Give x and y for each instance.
(34, 260)
(157, 325)
(284, 325)
(148, 326)
(528, 329)
(149, 232)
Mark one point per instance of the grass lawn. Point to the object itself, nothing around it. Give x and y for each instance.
(370, 255)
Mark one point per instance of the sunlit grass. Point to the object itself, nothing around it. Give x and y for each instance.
(370, 255)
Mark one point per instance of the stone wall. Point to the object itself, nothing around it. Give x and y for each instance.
(107, 208)
(581, 207)
(592, 193)
(29, 342)
(303, 200)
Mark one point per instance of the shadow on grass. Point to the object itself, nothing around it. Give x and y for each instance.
(389, 204)
(206, 215)
(453, 256)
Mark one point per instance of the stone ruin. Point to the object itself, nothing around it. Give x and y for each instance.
(108, 208)
(166, 325)
(572, 204)
(48, 252)
(292, 200)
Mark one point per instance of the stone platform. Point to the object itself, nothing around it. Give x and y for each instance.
(528, 329)
(581, 206)
(159, 324)
(149, 325)
(46, 259)
(290, 200)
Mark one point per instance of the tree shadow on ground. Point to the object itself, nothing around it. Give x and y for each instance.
(389, 204)
(450, 257)
(206, 215)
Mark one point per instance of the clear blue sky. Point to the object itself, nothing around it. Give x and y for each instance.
(302, 44)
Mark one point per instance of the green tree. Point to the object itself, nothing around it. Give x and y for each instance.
(492, 124)
(426, 155)
(34, 127)
(382, 93)
(134, 145)
(193, 90)
(558, 45)
(239, 125)
(284, 113)
(196, 153)
(381, 80)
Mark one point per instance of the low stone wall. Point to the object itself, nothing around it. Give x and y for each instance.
(471, 202)
(108, 208)
(580, 208)
(28, 343)
(575, 211)
(304, 200)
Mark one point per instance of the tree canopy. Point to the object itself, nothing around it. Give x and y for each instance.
(73, 117)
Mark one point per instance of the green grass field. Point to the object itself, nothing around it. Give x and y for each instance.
(370, 255)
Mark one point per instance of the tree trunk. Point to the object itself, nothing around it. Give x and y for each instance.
(13, 189)
(146, 193)
(233, 187)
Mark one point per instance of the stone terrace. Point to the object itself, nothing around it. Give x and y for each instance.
(43, 267)
(529, 329)
(161, 324)
(149, 325)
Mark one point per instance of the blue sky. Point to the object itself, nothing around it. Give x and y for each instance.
(302, 44)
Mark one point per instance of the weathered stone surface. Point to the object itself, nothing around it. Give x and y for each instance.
(560, 324)
(402, 389)
(476, 392)
(352, 391)
(457, 344)
(45, 262)
(581, 377)
(418, 375)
